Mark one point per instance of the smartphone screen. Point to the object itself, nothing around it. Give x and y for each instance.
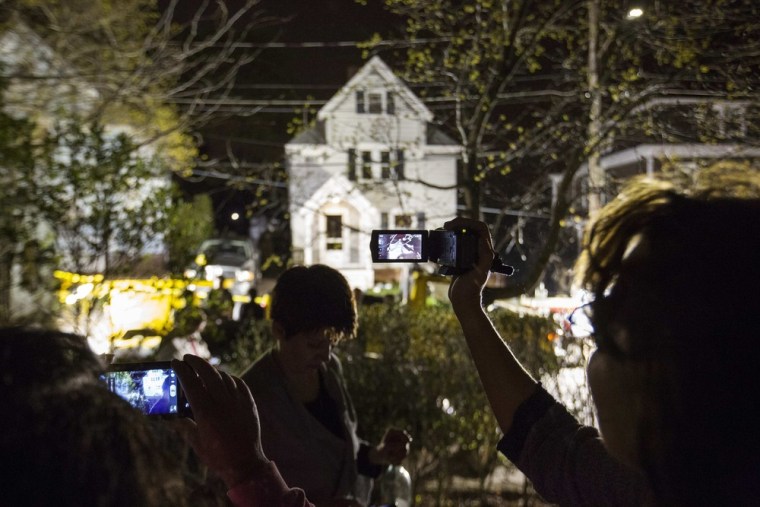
(152, 388)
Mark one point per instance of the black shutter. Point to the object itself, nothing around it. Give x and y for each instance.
(352, 164)
(400, 164)
(390, 106)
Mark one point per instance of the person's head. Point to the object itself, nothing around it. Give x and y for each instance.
(675, 279)
(66, 439)
(313, 308)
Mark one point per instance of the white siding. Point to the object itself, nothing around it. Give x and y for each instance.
(319, 175)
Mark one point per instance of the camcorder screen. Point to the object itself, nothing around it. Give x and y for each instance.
(152, 388)
(399, 246)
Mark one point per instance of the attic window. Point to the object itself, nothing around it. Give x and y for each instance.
(375, 102)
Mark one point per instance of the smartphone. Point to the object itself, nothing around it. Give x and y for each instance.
(153, 388)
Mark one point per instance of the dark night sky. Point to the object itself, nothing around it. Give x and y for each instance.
(294, 73)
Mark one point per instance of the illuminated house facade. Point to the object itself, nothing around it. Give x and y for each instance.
(372, 161)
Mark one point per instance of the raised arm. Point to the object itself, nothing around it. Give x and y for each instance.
(505, 381)
(226, 435)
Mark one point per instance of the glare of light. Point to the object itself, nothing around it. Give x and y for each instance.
(81, 292)
(635, 13)
(446, 406)
(244, 275)
(235, 216)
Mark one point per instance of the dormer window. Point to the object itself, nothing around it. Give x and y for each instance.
(375, 101)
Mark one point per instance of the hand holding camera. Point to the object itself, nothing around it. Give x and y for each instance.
(455, 248)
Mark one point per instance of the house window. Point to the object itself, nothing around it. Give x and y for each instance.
(334, 232)
(392, 168)
(420, 219)
(403, 221)
(383, 220)
(352, 164)
(385, 165)
(360, 101)
(375, 102)
(367, 165)
(391, 165)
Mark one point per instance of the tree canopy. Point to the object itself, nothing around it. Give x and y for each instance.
(535, 88)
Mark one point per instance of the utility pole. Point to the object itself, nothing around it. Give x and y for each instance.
(595, 172)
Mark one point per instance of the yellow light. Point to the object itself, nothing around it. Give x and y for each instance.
(634, 13)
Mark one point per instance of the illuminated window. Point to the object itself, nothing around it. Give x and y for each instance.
(403, 221)
(334, 232)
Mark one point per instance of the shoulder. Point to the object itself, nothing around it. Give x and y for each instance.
(334, 364)
(262, 370)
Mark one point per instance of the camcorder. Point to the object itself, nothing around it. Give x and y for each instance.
(455, 252)
(153, 388)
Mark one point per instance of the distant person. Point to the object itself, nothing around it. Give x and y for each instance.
(308, 422)
(675, 282)
(163, 405)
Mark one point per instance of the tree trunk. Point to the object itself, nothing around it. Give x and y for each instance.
(6, 282)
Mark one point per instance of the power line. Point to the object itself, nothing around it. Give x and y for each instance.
(330, 44)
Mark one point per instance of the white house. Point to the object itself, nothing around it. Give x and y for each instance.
(42, 87)
(372, 161)
(683, 124)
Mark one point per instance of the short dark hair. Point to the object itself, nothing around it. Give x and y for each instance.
(37, 357)
(311, 298)
(701, 269)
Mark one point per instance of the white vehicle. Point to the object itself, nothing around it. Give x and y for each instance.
(228, 264)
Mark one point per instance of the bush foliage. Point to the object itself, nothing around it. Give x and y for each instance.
(410, 368)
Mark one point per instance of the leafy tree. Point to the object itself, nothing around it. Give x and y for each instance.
(152, 68)
(162, 67)
(189, 224)
(537, 88)
(16, 223)
(104, 200)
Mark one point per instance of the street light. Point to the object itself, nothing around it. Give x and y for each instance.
(635, 13)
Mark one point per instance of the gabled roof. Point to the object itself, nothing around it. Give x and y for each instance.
(338, 186)
(313, 135)
(377, 66)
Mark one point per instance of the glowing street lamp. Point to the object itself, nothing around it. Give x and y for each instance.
(635, 13)
(235, 216)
